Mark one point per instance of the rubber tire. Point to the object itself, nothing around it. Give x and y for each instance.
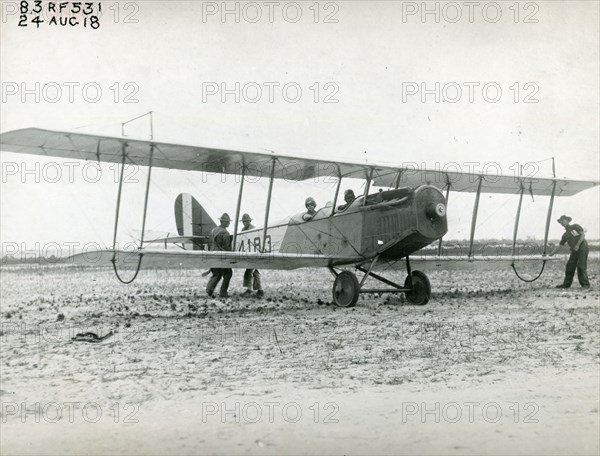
(421, 292)
(345, 289)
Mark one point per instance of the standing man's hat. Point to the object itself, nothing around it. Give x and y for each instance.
(564, 217)
(225, 217)
(246, 218)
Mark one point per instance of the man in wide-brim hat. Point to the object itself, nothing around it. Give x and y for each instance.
(251, 276)
(574, 236)
(220, 239)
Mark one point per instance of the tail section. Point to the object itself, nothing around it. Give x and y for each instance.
(192, 220)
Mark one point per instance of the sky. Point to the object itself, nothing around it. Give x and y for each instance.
(493, 88)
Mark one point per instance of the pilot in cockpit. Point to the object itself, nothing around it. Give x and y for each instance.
(349, 198)
(311, 206)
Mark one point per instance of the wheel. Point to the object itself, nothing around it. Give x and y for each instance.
(421, 289)
(345, 289)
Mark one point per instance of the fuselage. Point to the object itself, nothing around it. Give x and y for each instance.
(393, 224)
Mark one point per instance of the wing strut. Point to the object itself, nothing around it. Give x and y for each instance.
(271, 179)
(447, 197)
(124, 155)
(237, 208)
(368, 186)
(113, 260)
(548, 217)
(514, 243)
(550, 206)
(474, 219)
(397, 184)
(337, 191)
(146, 196)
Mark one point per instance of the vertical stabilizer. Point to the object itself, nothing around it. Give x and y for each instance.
(191, 218)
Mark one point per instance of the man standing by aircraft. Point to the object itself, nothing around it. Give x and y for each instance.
(251, 276)
(575, 237)
(220, 239)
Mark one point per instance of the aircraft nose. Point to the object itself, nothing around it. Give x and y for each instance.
(436, 211)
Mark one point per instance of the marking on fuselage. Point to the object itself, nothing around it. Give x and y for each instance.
(253, 244)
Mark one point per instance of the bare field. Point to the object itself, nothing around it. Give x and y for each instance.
(491, 365)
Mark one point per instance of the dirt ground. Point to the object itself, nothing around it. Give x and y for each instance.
(491, 365)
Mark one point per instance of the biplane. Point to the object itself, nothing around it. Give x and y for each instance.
(375, 228)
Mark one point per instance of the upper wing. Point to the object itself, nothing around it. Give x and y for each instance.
(210, 259)
(490, 183)
(36, 141)
(193, 158)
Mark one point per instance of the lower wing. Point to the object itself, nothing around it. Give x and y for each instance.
(209, 259)
(483, 258)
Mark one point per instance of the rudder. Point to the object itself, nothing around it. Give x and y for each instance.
(191, 218)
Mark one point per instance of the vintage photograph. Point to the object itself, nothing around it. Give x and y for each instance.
(300, 227)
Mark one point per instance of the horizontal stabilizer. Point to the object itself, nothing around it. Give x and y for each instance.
(178, 240)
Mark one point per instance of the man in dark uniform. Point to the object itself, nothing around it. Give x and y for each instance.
(251, 276)
(348, 198)
(220, 239)
(575, 237)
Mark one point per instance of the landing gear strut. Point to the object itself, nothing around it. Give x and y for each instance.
(346, 287)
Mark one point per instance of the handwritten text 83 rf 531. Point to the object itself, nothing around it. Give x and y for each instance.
(65, 14)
